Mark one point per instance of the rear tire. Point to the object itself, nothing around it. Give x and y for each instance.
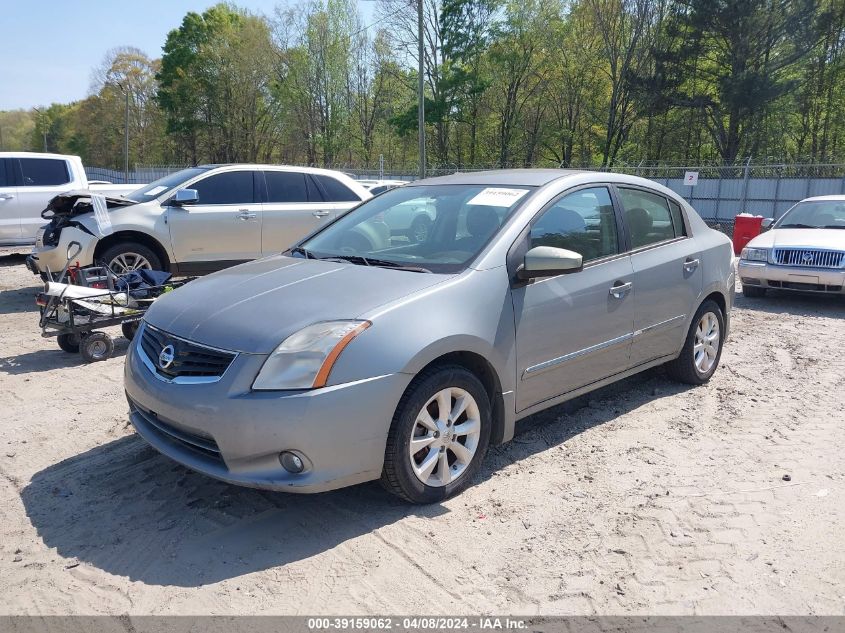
(69, 343)
(452, 448)
(124, 257)
(95, 347)
(753, 292)
(701, 353)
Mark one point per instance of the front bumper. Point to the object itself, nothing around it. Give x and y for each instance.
(226, 431)
(54, 258)
(765, 275)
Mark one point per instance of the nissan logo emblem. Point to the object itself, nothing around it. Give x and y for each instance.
(166, 357)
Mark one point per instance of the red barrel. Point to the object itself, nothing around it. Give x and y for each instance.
(746, 228)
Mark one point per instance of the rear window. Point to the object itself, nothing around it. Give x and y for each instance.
(43, 172)
(230, 187)
(336, 191)
(286, 186)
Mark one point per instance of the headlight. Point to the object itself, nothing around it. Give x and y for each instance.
(755, 254)
(305, 359)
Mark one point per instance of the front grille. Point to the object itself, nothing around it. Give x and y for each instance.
(190, 360)
(203, 444)
(795, 285)
(809, 258)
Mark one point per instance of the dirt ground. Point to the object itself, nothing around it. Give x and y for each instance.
(645, 497)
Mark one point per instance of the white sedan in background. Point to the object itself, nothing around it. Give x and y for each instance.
(804, 250)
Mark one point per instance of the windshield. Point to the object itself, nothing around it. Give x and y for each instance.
(164, 185)
(819, 214)
(437, 228)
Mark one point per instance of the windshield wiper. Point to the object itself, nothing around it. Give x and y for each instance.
(379, 263)
(797, 226)
(303, 251)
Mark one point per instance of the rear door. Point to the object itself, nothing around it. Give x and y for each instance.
(667, 272)
(10, 217)
(292, 209)
(39, 180)
(337, 197)
(223, 228)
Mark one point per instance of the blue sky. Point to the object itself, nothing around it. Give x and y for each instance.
(48, 48)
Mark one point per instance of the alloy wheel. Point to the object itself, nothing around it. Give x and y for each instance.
(127, 262)
(706, 347)
(445, 437)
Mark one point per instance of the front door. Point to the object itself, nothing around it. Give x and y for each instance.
(668, 279)
(574, 330)
(293, 208)
(222, 229)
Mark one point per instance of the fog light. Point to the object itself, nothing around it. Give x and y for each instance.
(291, 462)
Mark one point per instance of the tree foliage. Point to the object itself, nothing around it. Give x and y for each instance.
(507, 82)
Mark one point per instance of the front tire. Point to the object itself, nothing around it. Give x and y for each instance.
(69, 343)
(125, 257)
(703, 347)
(438, 437)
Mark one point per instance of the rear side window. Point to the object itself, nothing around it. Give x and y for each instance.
(43, 172)
(334, 190)
(4, 180)
(286, 186)
(647, 216)
(677, 219)
(230, 187)
(314, 194)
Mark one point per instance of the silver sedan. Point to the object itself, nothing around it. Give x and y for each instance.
(357, 355)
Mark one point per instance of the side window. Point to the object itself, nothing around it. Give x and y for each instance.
(286, 186)
(5, 181)
(314, 193)
(44, 172)
(336, 191)
(230, 187)
(677, 219)
(582, 221)
(647, 216)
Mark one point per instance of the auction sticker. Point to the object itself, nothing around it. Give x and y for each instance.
(496, 197)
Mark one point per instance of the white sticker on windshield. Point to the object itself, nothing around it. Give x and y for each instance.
(101, 214)
(495, 197)
(155, 191)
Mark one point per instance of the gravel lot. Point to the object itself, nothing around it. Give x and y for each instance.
(645, 497)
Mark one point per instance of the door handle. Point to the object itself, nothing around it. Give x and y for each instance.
(321, 214)
(619, 289)
(7, 196)
(246, 214)
(691, 264)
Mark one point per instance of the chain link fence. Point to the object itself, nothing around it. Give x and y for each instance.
(719, 194)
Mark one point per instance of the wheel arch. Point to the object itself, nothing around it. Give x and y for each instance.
(133, 236)
(489, 377)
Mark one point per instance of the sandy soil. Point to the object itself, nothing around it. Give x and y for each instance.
(646, 497)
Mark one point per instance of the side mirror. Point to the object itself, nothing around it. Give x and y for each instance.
(767, 223)
(548, 261)
(185, 196)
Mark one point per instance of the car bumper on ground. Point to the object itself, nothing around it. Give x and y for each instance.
(227, 431)
(54, 258)
(765, 275)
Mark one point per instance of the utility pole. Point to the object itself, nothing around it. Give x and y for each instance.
(126, 140)
(421, 86)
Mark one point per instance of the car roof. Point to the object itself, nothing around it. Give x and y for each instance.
(526, 177)
(825, 198)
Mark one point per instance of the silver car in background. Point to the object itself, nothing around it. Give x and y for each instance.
(804, 250)
(358, 355)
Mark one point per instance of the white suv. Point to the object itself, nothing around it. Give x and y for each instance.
(195, 221)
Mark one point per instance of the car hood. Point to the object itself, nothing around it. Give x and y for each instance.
(78, 202)
(253, 307)
(832, 239)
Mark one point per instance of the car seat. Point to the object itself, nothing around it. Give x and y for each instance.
(639, 223)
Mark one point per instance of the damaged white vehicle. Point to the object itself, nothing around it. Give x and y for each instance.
(194, 221)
